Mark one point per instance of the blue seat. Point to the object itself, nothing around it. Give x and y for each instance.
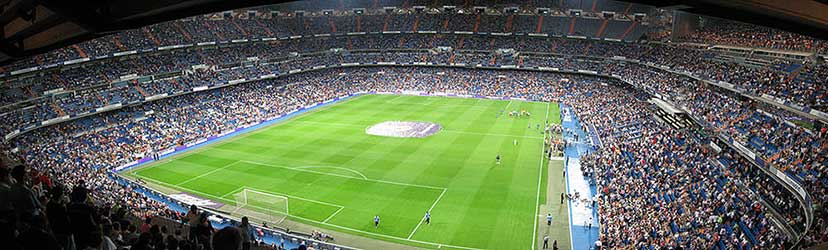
(747, 232)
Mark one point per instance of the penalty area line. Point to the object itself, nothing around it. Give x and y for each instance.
(344, 228)
(239, 189)
(429, 209)
(342, 176)
(332, 215)
(334, 167)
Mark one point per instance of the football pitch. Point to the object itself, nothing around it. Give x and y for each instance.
(322, 169)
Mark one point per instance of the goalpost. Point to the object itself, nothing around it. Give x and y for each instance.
(261, 205)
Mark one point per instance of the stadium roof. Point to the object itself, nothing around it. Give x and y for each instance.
(32, 27)
(806, 17)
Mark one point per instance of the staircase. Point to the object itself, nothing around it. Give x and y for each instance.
(60, 80)
(572, 26)
(634, 23)
(57, 109)
(267, 30)
(540, 25)
(793, 164)
(79, 50)
(210, 27)
(118, 43)
(102, 99)
(509, 22)
(460, 43)
(586, 50)
(451, 58)
(359, 24)
(476, 23)
(176, 84)
(29, 91)
(794, 74)
(239, 27)
(139, 89)
(183, 32)
(774, 157)
(416, 23)
(151, 36)
(332, 24)
(554, 46)
(385, 24)
(627, 10)
(739, 119)
(601, 29)
(103, 76)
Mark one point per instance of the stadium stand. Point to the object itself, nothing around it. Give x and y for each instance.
(74, 114)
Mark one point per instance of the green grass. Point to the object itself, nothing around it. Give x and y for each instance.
(337, 177)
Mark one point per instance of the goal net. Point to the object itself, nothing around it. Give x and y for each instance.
(262, 206)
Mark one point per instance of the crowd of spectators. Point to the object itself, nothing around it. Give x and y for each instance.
(240, 25)
(649, 175)
(803, 86)
(135, 91)
(718, 31)
(657, 186)
(128, 134)
(38, 211)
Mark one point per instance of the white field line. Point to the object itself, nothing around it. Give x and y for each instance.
(340, 168)
(325, 223)
(237, 209)
(442, 130)
(507, 106)
(394, 100)
(537, 198)
(332, 215)
(294, 197)
(287, 199)
(208, 173)
(491, 134)
(234, 191)
(454, 97)
(429, 209)
(344, 176)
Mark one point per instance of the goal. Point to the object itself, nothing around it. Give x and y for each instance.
(261, 205)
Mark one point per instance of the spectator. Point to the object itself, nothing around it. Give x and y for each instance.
(59, 218)
(247, 233)
(24, 200)
(228, 238)
(82, 216)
